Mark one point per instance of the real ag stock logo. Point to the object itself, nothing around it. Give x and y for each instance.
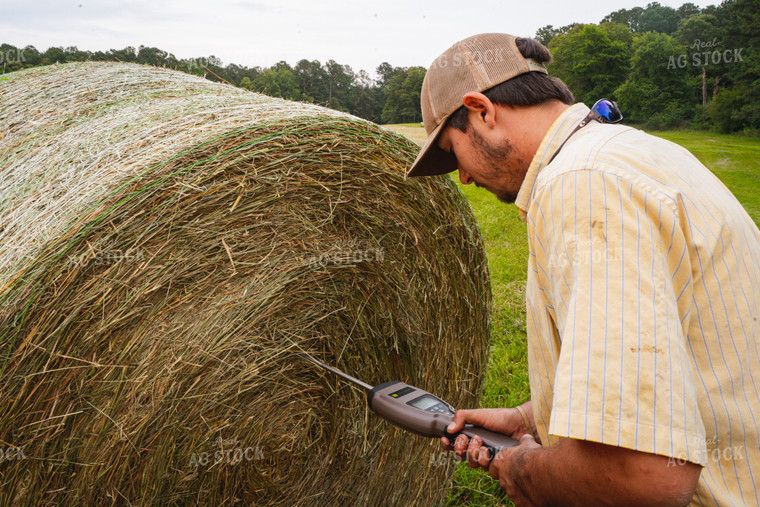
(701, 58)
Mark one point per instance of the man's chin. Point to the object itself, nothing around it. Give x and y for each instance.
(505, 197)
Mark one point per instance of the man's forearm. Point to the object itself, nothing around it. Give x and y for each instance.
(577, 472)
(547, 476)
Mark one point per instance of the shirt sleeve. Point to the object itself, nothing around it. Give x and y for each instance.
(612, 266)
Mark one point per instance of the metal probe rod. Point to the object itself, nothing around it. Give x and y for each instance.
(337, 372)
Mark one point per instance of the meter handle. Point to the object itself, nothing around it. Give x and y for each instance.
(492, 441)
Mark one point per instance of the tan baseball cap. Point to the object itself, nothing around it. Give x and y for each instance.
(474, 64)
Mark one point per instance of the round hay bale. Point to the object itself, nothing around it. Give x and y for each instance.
(167, 246)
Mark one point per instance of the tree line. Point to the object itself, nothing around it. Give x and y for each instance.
(666, 67)
(392, 97)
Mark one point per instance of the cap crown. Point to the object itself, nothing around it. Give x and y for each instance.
(473, 64)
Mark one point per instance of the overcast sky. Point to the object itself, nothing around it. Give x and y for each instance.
(356, 33)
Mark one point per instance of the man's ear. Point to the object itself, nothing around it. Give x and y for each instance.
(481, 107)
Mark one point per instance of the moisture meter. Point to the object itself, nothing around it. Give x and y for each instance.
(418, 411)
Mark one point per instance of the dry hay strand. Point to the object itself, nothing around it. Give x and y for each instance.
(168, 244)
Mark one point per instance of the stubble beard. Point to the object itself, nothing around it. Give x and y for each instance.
(496, 157)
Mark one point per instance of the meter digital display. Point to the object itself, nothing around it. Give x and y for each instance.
(425, 402)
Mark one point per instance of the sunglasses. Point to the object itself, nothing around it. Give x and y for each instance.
(603, 111)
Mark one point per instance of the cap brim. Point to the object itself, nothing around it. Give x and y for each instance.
(432, 160)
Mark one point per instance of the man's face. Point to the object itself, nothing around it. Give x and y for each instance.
(491, 163)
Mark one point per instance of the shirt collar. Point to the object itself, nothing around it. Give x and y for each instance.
(555, 136)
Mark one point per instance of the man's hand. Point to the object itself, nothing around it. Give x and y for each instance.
(507, 421)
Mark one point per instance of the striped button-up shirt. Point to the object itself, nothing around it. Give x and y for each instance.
(643, 300)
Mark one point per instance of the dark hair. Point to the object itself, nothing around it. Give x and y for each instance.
(529, 89)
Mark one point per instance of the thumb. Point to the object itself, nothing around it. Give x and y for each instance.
(458, 422)
(494, 419)
(484, 417)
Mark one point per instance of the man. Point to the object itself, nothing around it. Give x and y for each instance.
(642, 295)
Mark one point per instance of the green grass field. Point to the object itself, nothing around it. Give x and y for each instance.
(735, 160)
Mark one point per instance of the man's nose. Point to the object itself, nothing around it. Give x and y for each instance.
(465, 177)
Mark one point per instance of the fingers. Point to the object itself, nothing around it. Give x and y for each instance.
(493, 471)
(460, 446)
(472, 451)
(468, 449)
(484, 458)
